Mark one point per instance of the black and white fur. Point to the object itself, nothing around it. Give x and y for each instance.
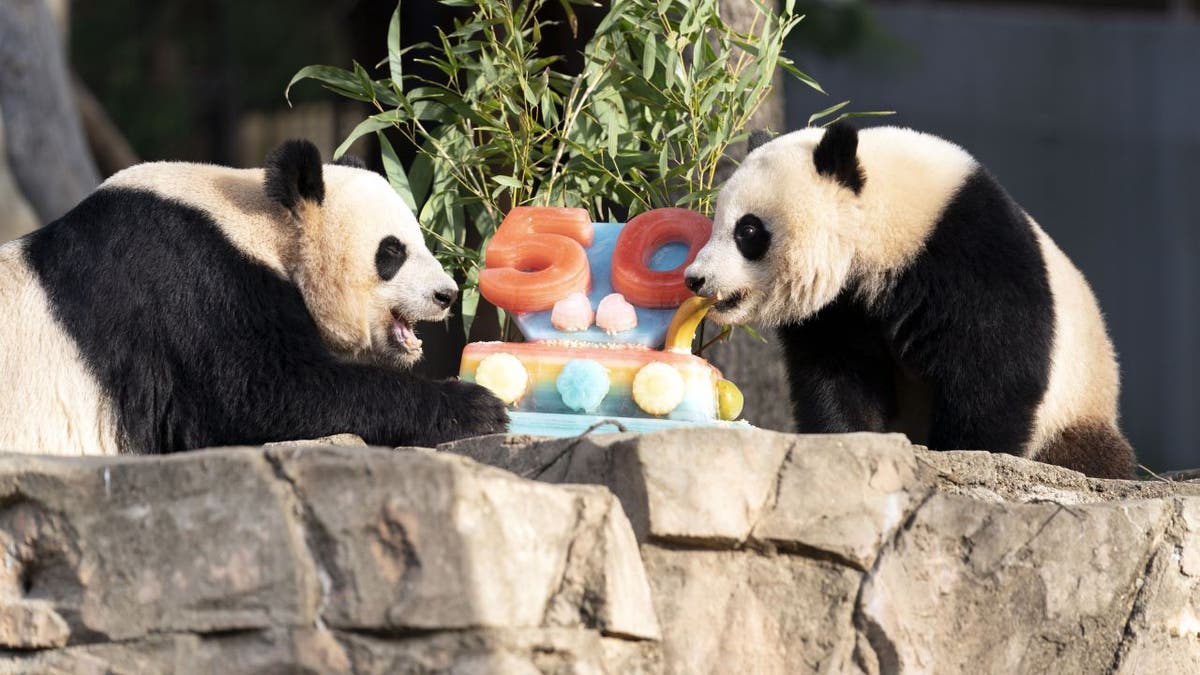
(911, 293)
(186, 305)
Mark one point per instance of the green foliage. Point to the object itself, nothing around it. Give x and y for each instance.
(667, 86)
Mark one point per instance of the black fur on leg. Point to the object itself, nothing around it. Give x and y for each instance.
(293, 174)
(193, 344)
(839, 371)
(1093, 448)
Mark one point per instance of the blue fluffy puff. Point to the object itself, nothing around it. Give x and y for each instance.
(582, 384)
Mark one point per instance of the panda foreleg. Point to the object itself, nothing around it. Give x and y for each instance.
(382, 405)
(840, 374)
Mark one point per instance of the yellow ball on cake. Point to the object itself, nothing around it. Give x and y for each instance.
(504, 375)
(658, 388)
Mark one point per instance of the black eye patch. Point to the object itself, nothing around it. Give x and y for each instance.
(751, 237)
(390, 257)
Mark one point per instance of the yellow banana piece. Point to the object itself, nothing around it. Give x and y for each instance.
(729, 400)
(682, 329)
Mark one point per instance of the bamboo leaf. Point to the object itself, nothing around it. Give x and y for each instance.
(799, 75)
(827, 112)
(508, 181)
(470, 305)
(395, 66)
(371, 124)
(648, 57)
(852, 115)
(340, 80)
(395, 172)
(420, 177)
(572, 20)
(749, 330)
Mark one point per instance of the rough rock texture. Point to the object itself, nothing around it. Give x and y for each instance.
(743, 551)
(314, 558)
(775, 553)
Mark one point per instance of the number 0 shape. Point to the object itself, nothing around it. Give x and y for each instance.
(642, 236)
(536, 258)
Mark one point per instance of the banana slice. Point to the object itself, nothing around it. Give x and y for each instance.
(682, 329)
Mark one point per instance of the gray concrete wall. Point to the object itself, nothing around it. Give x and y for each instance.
(1090, 121)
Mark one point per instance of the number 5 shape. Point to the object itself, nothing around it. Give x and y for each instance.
(536, 258)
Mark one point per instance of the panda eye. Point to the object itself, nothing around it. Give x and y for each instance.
(390, 257)
(751, 237)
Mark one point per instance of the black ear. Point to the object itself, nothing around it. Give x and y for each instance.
(350, 160)
(836, 156)
(294, 173)
(757, 138)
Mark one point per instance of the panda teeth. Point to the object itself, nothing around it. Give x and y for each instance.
(404, 334)
(728, 302)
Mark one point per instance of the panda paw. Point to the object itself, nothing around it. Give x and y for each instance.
(473, 411)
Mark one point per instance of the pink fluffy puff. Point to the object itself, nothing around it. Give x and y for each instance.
(572, 313)
(614, 314)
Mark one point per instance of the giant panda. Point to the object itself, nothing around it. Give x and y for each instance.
(187, 305)
(911, 293)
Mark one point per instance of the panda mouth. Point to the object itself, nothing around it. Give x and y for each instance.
(728, 303)
(403, 336)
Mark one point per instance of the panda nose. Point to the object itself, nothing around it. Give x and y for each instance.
(445, 297)
(694, 284)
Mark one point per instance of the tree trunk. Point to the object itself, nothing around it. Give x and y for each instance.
(16, 216)
(46, 147)
(756, 368)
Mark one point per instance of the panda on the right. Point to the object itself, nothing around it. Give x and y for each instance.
(911, 293)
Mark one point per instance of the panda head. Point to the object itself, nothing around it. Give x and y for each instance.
(357, 256)
(783, 232)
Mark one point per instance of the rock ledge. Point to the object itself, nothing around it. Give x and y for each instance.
(689, 551)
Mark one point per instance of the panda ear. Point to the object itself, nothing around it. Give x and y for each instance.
(293, 174)
(836, 156)
(352, 161)
(757, 138)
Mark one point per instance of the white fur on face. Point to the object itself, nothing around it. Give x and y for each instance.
(812, 221)
(375, 318)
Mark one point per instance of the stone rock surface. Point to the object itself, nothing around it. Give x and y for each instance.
(743, 551)
(776, 553)
(431, 542)
(121, 548)
(314, 558)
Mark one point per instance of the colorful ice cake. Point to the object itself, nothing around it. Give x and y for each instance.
(608, 324)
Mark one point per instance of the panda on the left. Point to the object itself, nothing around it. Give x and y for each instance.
(182, 306)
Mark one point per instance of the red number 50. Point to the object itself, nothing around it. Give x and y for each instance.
(536, 257)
